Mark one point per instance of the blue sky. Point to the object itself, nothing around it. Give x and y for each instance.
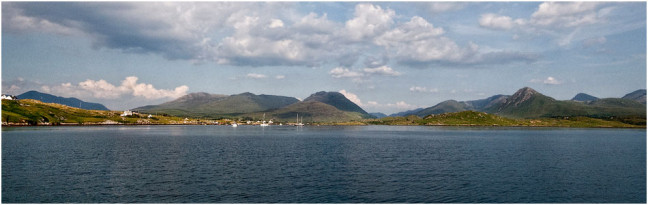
(385, 56)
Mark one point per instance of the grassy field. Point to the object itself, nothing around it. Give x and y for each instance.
(34, 112)
(473, 118)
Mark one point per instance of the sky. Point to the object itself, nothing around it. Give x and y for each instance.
(384, 56)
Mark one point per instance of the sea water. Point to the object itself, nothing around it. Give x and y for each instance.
(327, 164)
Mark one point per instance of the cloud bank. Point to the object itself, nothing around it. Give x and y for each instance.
(261, 34)
(102, 89)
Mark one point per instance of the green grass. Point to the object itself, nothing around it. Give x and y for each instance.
(34, 112)
(473, 118)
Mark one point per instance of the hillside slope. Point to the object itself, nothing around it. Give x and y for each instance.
(72, 102)
(34, 112)
(211, 105)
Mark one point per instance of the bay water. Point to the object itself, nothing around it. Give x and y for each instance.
(327, 164)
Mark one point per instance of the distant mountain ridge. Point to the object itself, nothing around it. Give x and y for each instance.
(405, 113)
(638, 95)
(337, 100)
(72, 102)
(582, 97)
(211, 105)
(378, 114)
(320, 106)
(529, 103)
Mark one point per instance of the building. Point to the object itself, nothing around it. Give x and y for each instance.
(8, 97)
(126, 113)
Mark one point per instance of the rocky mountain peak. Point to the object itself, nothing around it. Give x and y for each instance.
(521, 96)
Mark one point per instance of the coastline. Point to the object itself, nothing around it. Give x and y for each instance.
(315, 125)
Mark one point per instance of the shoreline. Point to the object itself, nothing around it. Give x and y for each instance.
(471, 125)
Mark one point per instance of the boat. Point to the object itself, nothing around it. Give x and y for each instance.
(299, 123)
(234, 125)
(263, 123)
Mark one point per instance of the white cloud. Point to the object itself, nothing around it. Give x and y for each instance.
(402, 105)
(364, 74)
(340, 72)
(102, 89)
(276, 23)
(495, 21)
(549, 81)
(566, 14)
(246, 33)
(369, 21)
(423, 89)
(280, 76)
(549, 15)
(255, 76)
(418, 41)
(352, 97)
(382, 70)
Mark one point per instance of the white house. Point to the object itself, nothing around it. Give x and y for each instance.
(127, 113)
(8, 97)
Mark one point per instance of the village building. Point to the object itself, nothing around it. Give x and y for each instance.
(8, 97)
(127, 113)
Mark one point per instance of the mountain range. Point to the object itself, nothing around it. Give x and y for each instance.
(528, 103)
(335, 107)
(320, 106)
(583, 97)
(638, 95)
(72, 102)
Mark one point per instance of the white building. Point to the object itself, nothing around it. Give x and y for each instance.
(8, 97)
(126, 113)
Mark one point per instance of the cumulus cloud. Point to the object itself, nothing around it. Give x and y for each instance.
(566, 14)
(495, 21)
(252, 33)
(364, 74)
(352, 97)
(553, 15)
(369, 21)
(548, 81)
(102, 89)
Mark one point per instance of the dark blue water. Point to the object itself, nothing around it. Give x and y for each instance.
(365, 164)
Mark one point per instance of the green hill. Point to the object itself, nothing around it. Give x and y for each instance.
(72, 102)
(528, 103)
(638, 95)
(312, 111)
(210, 105)
(473, 118)
(583, 97)
(34, 112)
(336, 100)
(444, 107)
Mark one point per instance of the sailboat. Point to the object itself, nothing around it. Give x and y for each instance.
(299, 123)
(263, 123)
